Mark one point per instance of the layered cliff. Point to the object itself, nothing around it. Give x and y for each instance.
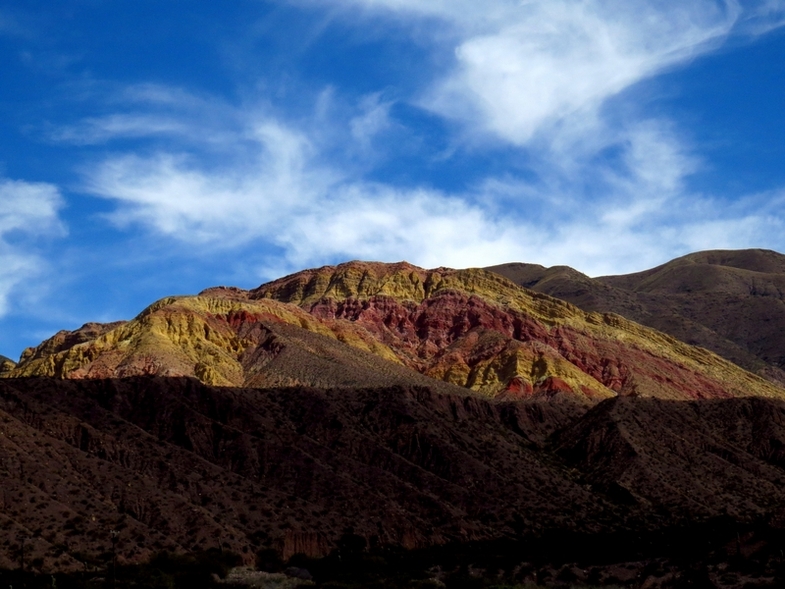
(479, 330)
(374, 324)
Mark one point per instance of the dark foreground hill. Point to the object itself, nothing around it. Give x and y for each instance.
(730, 302)
(177, 465)
(173, 464)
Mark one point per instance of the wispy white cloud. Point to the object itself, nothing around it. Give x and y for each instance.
(282, 195)
(762, 16)
(150, 111)
(562, 61)
(95, 130)
(286, 199)
(230, 206)
(29, 210)
(538, 76)
(522, 68)
(372, 120)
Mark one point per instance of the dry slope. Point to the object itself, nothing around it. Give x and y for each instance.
(731, 302)
(373, 324)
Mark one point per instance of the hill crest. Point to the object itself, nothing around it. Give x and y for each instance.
(729, 301)
(386, 323)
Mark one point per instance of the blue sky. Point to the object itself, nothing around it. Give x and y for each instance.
(160, 147)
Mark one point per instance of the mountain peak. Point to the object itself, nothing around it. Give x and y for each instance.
(371, 323)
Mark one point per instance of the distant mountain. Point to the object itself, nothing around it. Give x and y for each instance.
(373, 324)
(730, 302)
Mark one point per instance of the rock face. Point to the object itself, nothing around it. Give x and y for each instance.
(730, 302)
(372, 324)
(6, 364)
(220, 340)
(640, 449)
(470, 328)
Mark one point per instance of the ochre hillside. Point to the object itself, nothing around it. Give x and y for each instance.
(221, 340)
(373, 324)
(729, 301)
(477, 329)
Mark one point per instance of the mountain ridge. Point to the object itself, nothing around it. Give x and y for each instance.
(728, 301)
(416, 408)
(468, 328)
(173, 464)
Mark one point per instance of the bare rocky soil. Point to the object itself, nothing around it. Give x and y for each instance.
(730, 302)
(173, 464)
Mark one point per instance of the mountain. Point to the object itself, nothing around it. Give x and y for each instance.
(373, 324)
(730, 302)
(222, 340)
(173, 464)
(177, 465)
(686, 461)
(6, 363)
(402, 407)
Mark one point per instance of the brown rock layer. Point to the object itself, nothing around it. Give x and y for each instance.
(173, 464)
(731, 302)
(684, 460)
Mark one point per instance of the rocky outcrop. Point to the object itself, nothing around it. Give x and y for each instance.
(174, 464)
(6, 364)
(361, 324)
(223, 341)
(478, 330)
(683, 460)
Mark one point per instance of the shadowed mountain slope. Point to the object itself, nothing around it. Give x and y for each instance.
(174, 464)
(373, 324)
(731, 302)
(684, 460)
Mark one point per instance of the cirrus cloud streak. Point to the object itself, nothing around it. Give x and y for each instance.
(279, 196)
(29, 212)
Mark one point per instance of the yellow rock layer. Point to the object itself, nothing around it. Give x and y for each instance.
(193, 336)
(405, 282)
(182, 336)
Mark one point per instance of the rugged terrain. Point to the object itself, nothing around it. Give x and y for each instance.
(175, 464)
(372, 324)
(411, 408)
(730, 302)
